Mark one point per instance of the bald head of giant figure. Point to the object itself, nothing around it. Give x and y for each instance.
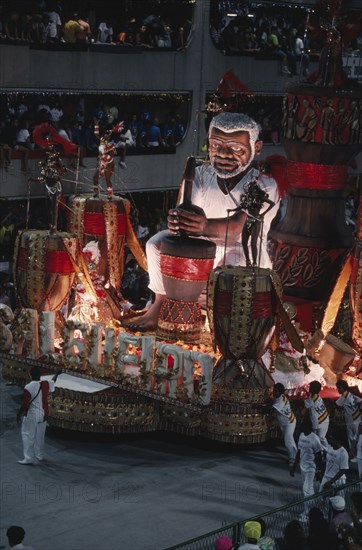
(233, 143)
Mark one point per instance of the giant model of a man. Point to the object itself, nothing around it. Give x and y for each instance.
(217, 190)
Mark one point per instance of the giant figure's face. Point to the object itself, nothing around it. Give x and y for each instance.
(231, 153)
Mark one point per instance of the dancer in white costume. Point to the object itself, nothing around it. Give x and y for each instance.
(35, 410)
(286, 420)
(351, 405)
(317, 411)
(217, 190)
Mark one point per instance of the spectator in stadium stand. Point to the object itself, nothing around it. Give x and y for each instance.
(111, 114)
(122, 141)
(53, 24)
(128, 31)
(25, 20)
(16, 535)
(275, 49)
(299, 50)
(70, 29)
(319, 535)
(232, 38)
(83, 35)
(169, 131)
(105, 32)
(35, 29)
(23, 143)
(12, 26)
(153, 134)
(134, 127)
(339, 515)
(99, 113)
(7, 142)
(44, 107)
(143, 37)
(56, 112)
(294, 538)
(88, 139)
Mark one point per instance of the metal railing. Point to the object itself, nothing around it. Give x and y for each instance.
(275, 520)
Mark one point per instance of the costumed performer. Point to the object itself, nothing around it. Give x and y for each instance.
(351, 405)
(286, 420)
(318, 413)
(217, 189)
(34, 411)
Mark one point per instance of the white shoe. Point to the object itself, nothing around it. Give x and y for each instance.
(25, 462)
(286, 71)
(40, 458)
(122, 164)
(353, 459)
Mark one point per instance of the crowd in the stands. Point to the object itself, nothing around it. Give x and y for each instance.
(82, 121)
(152, 25)
(239, 27)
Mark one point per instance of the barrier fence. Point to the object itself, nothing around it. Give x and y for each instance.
(275, 520)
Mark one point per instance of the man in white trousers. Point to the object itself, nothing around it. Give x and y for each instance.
(350, 404)
(286, 420)
(318, 412)
(336, 465)
(309, 455)
(34, 409)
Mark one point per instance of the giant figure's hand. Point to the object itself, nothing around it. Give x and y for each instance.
(190, 223)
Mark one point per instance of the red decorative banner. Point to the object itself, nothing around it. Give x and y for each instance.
(23, 258)
(94, 224)
(186, 269)
(56, 261)
(262, 306)
(316, 176)
(121, 222)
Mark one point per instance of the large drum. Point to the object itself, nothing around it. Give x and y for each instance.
(104, 221)
(185, 266)
(332, 354)
(44, 269)
(242, 308)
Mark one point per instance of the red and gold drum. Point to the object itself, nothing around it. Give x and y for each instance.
(185, 267)
(104, 221)
(242, 309)
(44, 268)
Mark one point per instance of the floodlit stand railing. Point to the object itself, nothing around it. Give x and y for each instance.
(276, 519)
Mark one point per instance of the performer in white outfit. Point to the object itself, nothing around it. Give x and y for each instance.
(309, 452)
(318, 413)
(352, 414)
(286, 420)
(217, 189)
(336, 465)
(35, 410)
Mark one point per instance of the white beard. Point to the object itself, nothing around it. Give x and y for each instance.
(227, 174)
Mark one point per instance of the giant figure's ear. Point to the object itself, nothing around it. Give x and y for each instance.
(258, 146)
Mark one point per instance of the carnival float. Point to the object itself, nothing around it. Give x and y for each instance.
(298, 322)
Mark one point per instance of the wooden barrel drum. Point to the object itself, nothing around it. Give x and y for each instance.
(242, 310)
(44, 271)
(104, 221)
(185, 267)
